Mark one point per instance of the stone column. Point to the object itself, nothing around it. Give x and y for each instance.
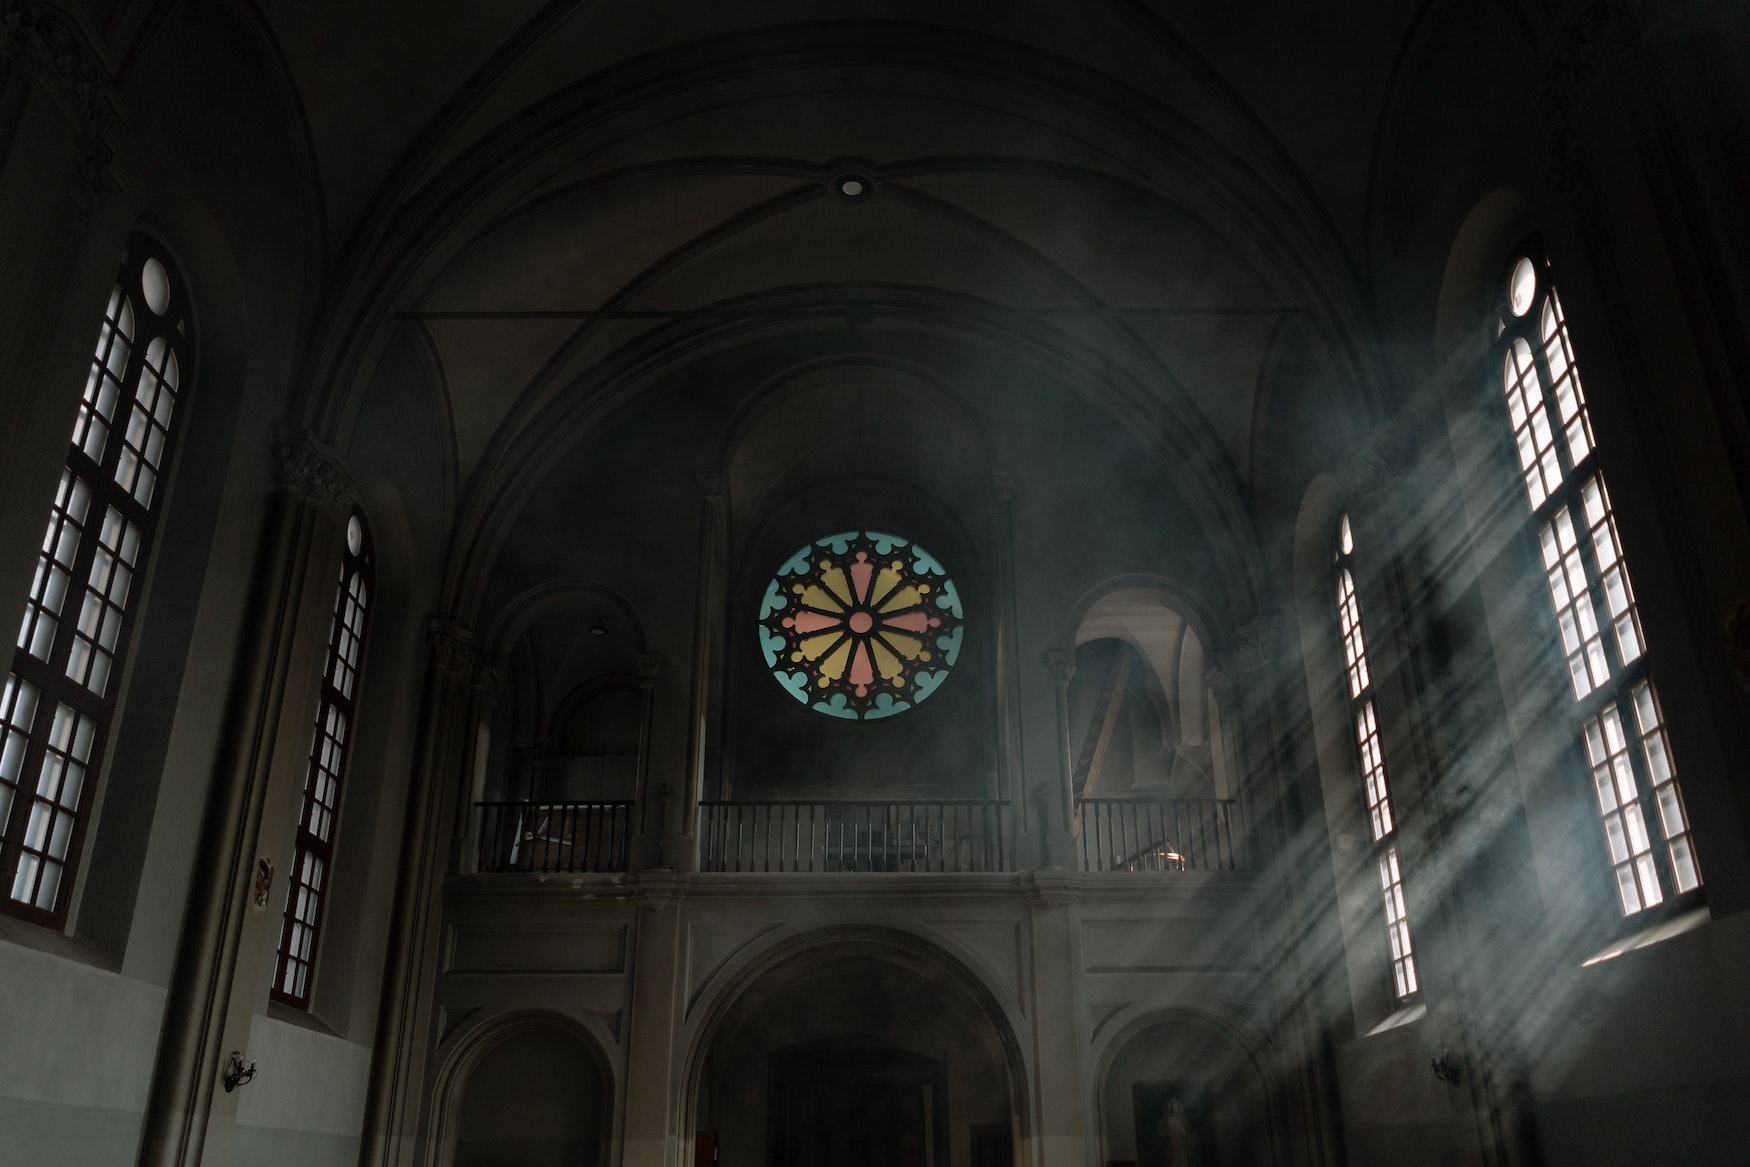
(395, 1098)
(680, 841)
(1009, 779)
(1060, 1134)
(648, 824)
(652, 1116)
(312, 497)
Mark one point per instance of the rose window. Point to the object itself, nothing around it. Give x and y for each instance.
(861, 625)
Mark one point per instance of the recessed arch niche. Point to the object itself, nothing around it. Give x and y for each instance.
(856, 1048)
(537, 1096)
(1181, 1089)
(857, 444)
(1143, 719)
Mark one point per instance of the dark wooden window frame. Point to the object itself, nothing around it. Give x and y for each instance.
(101, 477)
(1617, 690)
(309, 881)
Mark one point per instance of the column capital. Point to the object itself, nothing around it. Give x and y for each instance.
(1062, 663)
(710, 484)
(1255, 646)
(649, 668)
(56, 49)
(1002, 482)
(314, 473)
(450, 648)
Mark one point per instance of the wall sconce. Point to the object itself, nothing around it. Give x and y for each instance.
(238, 1072)
(1445, 1066)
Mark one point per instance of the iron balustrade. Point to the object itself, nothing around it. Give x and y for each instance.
(554, 836)
(958, 836)
(1176, 834)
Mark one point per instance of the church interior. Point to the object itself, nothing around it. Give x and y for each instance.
(1141, 583)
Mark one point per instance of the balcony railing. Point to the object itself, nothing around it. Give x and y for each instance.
(1179, 834)
(962, 836)
(554, 836)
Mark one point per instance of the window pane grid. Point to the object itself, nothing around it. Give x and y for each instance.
(1397, 924)
(1651, 853)
(58, 693)
(321, 801)
(1572, 596)
(1532, 435)
(1354, 647)
(18, 702)
(1371, 757)
(1558, 350)
(106, 596)
(54, 567)
(148, 432)
(1625, 826)
(1662, 777)
(104, 386)
(1373, 772)
(1619, 596)
(48, 831)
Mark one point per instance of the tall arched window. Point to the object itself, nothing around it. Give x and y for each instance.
(313, 858)
(1621, 727)
(1371, 757)
(60, 693)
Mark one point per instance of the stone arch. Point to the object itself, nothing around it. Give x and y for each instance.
(791, 962)
(1232, 1104)
(1169, 632)
(474, 1049)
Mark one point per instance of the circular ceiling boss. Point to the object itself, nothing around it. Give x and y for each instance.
(861, 625)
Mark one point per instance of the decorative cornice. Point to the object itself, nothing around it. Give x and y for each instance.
(314, 474)
(450, 648)
(52, 48)
(1381, 458)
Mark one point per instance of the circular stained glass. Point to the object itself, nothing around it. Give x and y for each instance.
(861, 625)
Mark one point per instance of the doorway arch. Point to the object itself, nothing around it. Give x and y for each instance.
(857, 1041)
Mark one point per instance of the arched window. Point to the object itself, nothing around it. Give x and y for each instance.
(1617, 708)
(1371, 757)
(60, 693)
(312, 861)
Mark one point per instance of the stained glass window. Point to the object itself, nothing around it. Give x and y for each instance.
(861, 625)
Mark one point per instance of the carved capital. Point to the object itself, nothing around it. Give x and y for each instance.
(450, 648)
(51, 47)
(1738, 640)
(649, 668)
(710, 485)
(1381, 458)
(1062, 663)
(313, 474)
(1002, 483)
(1595, 33)
(1255, 645)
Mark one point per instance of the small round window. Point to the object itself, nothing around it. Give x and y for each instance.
(861, 625)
